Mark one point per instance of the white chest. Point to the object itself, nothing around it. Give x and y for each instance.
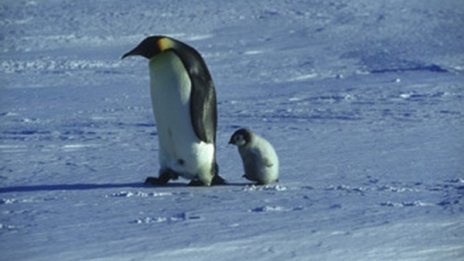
(170, 83)
(180, 149)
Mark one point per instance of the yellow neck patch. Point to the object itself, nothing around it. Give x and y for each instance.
(165, 43)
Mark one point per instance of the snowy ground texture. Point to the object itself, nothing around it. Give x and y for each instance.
(363, 101)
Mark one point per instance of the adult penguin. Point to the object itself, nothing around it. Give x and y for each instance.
(184, 103)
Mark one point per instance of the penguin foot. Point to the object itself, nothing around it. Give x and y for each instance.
(164, 177)
(248, 178)
(195, 183)
(154, 181)
(264, 183)
(218, 180)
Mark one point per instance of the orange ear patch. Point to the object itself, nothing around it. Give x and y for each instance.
(165, 43)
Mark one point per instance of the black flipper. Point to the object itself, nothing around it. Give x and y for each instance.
(203, 110)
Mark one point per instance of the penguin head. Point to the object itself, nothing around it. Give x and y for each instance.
(152, 46)
(241, 137)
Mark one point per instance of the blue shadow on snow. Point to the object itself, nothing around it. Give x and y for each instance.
(85, 186)
(70, 187)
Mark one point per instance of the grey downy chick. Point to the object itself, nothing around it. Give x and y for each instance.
(259, 158)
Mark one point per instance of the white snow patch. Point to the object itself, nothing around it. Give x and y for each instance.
(347, 188)
(7, 227)
(397, 189)
(275, 209)
(416, 203)
(265, 188)
(128, 194)
(7, 148)
(6, 201)
(48, 64)
(198, 37)
(304, 77)
(406, 95)
(254, 52)
(75, 147)
(149, 220)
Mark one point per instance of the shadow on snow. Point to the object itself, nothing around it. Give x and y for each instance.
(79, 186)
(87, 186)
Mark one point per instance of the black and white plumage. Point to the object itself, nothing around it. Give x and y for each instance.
(259, 158)
(184, 104)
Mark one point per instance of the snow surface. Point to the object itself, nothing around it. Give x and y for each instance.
(363, 101)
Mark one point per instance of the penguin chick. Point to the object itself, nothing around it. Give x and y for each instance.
(259, 158)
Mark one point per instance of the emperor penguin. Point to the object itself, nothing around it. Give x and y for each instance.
(259, 158)
(184, 104)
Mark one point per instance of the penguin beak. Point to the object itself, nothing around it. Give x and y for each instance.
(131, 53)
(231, 141)
(146, 49)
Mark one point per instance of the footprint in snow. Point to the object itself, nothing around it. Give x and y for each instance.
(176, 218)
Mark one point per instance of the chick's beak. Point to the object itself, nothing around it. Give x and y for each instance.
(231, 141)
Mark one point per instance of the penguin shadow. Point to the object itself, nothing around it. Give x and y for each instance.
(89, 186)
(187, 185)
(237, 184)
(70, 187)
